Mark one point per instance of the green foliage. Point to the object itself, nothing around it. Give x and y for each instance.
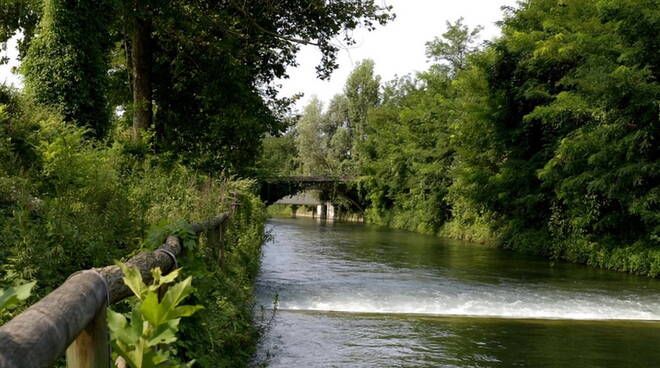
(223, 334)
(212, 65)
(362, 93)
(66, 66)
(13, 296)
(308, 140)
(409, 156)
(561, 149)
(182, 230)
(144, 337)
(18, 16)
(279, 156)
(543, 141)
(67, 204)
(454, 46)
(328, 142)
(215, 64)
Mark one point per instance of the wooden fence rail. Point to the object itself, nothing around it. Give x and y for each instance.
(72, 317)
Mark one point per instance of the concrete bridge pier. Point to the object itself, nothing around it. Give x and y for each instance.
(322, 211)
(326, 211)
(301, 202)
(331, 211)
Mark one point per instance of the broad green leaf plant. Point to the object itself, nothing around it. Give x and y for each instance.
(143, 336)
(13, 296)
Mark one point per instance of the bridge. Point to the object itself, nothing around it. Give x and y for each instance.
(320, 192)
(276, 188)
(324, 210)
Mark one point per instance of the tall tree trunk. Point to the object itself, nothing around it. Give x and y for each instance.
(141, 60)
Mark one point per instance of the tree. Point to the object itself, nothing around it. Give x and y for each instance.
(19, 16)
(557, 136)
(454, 46)
(213, 64)
(309, 141)
(207, 67)
(67, 64)
(338, 135)
(362, 92)
(141, 63)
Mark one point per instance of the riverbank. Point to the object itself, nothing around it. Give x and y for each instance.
(69, 203)
(224, 333)
(632, 258)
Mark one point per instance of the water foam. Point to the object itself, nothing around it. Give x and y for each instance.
(573, 307)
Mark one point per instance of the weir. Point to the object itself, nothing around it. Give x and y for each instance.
(351, 293)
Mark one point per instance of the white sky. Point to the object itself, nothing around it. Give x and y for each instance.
(397, 49)
(6, 76)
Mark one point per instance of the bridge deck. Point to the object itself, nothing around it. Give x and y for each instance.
(310, 179)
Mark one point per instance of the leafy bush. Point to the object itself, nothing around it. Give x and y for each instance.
(69, 203)
(11, 297)
(143, 337)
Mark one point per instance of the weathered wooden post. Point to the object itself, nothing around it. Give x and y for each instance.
(91, 348)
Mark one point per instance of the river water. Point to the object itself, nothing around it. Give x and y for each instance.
(354, 295)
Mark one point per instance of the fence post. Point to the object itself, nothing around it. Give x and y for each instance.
(90, 349)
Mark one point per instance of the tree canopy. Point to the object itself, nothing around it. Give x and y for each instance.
(544, 139)
(197, 77)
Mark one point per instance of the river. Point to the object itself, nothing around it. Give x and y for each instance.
(355, 295)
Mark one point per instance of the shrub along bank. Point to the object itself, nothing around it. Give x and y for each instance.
(545, 140)
(68, 203)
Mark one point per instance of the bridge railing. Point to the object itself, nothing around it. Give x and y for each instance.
(72, 318)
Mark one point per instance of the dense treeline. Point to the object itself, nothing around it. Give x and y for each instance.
(196, 79)
(544, 140)
(138, 117)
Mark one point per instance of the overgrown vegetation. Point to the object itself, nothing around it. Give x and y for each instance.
(69, 203)
(138, 118)
(12, 297)
(544, 140)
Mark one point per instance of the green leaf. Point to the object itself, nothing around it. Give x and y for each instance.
(165, 333)
(118, 325)
(152, 310)
(185, 311)
(14, 295)
(170, 277)
(133, 279)
(176, 294)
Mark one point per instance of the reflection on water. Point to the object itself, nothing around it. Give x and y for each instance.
(361, 296)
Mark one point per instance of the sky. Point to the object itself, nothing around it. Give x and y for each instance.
(398, 48)
(6, 76)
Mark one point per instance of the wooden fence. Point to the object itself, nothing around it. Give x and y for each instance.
(72, 318)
